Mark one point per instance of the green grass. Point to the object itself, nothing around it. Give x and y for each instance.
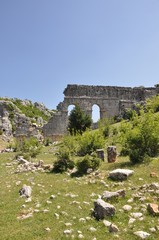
(46, 184)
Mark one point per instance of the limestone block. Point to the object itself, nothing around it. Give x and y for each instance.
(111, 154)
(103, 209)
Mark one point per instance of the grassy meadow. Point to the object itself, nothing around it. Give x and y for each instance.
(73, 201)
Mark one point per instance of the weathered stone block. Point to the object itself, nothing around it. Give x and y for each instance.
(103, 209)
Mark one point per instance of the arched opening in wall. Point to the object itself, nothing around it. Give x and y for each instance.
(70, 108)
(95, 113)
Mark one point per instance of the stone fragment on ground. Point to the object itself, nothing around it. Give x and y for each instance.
(136, 215)
(25, 191)
(103, 209)
(120, 174)
(127, 208)
(142, 234)
(153, 209)
(113, 228)
(110, 195)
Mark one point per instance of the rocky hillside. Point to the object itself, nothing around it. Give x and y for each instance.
(22, 117)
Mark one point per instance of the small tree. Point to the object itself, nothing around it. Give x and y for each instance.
(78, 121)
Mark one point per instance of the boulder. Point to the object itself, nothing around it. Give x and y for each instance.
(110, 195)
(25, 191)
(103, 209)
(120, 174)
(141, 234)
(153, 209)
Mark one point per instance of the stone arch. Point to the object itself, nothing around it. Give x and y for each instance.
(70, 108)
(95, 113)
(110, 100)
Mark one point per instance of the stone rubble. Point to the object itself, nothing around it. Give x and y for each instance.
(120, 174)
(142, 234)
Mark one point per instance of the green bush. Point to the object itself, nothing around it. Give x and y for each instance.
(29, 148)
(88, 162)
(140, 137)
(153, 104)
(63, 162)
(89, 142)
(104, 126)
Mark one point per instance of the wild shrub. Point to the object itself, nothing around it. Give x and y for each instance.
(90, 141)
(153, 104)
(87, 162)
(63, 162)
(104, 126)
(140, 137)
(71, 143)
(29, 148)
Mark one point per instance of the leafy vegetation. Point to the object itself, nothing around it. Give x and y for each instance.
(30, 110)
(88, 162)
(64, 162)
(74, 197)
(28, 148)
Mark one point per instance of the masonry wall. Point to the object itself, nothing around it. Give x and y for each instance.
(111, 101)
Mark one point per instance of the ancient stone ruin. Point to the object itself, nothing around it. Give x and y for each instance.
(111, 101)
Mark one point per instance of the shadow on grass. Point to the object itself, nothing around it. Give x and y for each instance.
(77, 174)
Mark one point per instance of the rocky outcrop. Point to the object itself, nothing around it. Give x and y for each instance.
(15, 122)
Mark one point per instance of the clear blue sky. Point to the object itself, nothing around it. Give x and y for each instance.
(47, 44)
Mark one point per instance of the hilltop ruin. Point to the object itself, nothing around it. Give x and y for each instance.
(111, 101)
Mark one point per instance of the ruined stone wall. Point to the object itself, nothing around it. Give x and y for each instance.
(111, 101)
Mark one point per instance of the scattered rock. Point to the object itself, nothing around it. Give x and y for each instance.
(141, 234)
(153, 209)
(136, 215)
(103, 209)
(153, 175)
(47, 229)
(127, 208)
(120, 174)
(25, 191)
(67, 231)
(113, 228)
(107, 223)
(109, 195)
(80, 236)
(92, 229)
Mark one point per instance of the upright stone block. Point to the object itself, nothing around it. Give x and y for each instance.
(111, 154)
(100, 154)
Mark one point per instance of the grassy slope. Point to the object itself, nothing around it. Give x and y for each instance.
(46, 184)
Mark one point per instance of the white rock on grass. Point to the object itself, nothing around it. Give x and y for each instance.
(141, 234)
(92, 229)
(67, 231)
(120, 174)
(127, 208)
(107, 223)
(80, 236)
(56, 215)
(136, 215)
(47, 229)
(131, 221)
(25, 191)
(113, 228)
(68, 224)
